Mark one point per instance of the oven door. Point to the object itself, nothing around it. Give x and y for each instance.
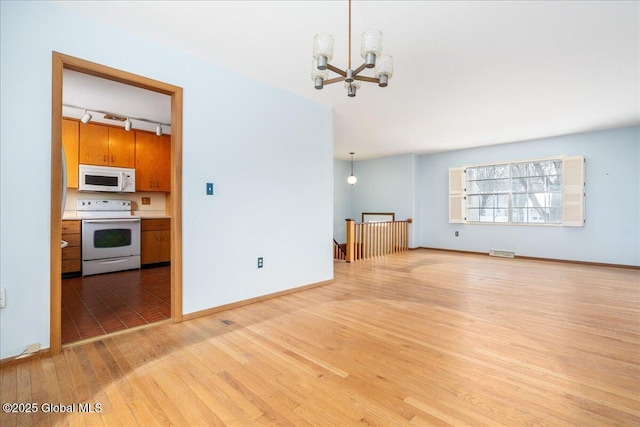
(110, 238)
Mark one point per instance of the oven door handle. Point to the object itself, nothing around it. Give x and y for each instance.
(102, 221)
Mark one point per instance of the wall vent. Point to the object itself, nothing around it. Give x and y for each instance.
(502, 254)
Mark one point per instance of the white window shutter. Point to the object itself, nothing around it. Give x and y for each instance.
(457, 182)
(573, 191)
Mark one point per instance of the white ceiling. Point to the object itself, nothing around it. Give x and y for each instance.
(96, 94)
(467, 74)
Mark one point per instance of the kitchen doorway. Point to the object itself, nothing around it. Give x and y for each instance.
(63, 62)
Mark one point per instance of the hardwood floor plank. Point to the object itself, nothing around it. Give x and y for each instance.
(10, 393)
(419, 338)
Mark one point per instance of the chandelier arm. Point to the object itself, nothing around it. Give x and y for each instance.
(367, 79)
(360, 68)
(334, 80)
(336, 70)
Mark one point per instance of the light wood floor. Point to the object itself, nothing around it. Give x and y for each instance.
(421, 338)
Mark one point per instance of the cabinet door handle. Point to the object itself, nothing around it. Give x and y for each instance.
(113, 159)
(104, 158)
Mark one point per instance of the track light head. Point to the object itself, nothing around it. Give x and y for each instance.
(159, 130)
(127, 125)
(86, 118)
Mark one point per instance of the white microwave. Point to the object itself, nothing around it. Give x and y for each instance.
(106, 178)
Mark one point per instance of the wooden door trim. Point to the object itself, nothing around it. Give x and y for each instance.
(59, 63)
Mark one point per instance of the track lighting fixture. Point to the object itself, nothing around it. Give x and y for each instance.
(86, 118)
(128, 120)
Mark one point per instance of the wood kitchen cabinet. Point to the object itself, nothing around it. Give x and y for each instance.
(71, 255)
(155, 241)
(70, 136)
(153, 162)
(106, 146)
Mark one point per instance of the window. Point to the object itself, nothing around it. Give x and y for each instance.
(522, 192)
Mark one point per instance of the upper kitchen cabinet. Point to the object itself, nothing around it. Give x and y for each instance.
(153, 162)
(70, 135)
(106, 146)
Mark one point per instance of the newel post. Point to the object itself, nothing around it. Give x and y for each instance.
(351, 240)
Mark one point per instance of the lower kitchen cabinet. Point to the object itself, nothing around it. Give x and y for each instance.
(155, 242)
(71, 255)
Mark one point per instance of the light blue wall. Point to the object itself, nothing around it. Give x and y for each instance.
(387, 185)
(342, 199)
(232, 136)
(612, 230)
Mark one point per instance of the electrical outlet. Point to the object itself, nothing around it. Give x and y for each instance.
(3, 297)
(209, 188)
(260, 262)
(146, 200)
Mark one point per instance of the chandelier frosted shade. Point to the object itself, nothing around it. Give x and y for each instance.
(384, 70)
(318, 76)
(371, 47)
(352, 87)
(323, 49)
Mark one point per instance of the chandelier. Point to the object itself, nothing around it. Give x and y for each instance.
(370, 50)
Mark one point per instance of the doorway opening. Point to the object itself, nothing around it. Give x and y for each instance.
(63, 62)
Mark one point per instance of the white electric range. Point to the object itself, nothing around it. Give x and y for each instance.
(110, 236)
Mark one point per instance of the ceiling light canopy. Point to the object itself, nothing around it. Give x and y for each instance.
(371, 52)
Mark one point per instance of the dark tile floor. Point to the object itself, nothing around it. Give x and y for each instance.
(105, 303)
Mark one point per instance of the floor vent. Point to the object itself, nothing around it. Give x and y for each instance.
(502, 254)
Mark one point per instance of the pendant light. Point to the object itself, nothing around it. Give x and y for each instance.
(352, 178)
